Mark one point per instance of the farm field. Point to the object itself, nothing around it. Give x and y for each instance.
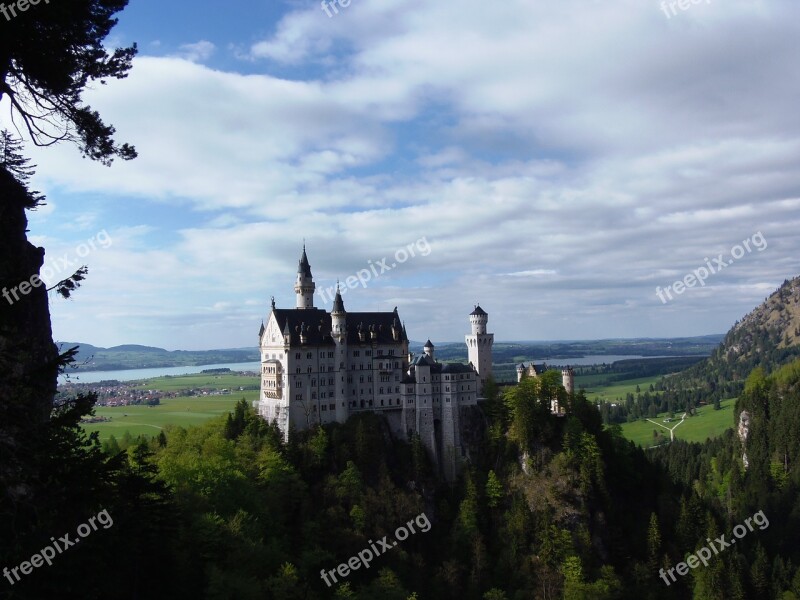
(183, 411)
(708, 423)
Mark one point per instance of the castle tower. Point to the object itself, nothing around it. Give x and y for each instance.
(304, 285)
(568, 379)
(520, 371)
(479, 345)
(339, 335)
(429, 347)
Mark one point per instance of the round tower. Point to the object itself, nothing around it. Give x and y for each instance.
(520, 371)
(478, 318)
(568, 379)
(304, 284)
(479, 345)
(429, 347)
(338, 315)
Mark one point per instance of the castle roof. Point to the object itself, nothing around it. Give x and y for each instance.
(428, 344)
(304, 268)
(338, 303)
(437, 367)
(478, 311)
(316, 323)
(537, 369)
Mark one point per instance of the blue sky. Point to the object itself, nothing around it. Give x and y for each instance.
(562, 160)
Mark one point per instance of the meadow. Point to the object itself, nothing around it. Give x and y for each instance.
(708, 423)
(183, 411)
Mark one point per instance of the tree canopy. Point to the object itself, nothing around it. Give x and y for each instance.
(49, 55)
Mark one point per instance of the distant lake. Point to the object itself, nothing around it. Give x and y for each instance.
(133, 374)
(591, 359)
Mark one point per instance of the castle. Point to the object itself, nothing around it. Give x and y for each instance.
(321, 367)
(567, 380)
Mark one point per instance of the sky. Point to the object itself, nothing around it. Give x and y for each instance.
(556, 162)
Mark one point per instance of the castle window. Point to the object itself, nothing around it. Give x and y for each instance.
(397, 389)
(324, 408)
(356, 352)
(322, 395)
(447, 388)
(397, 377)
(349, 379)
(314, 408)
(391, 352)
(313, 395)
(370, 402)
(380, 352)
(298, 369)
(298, 383)
(362, 404)
(309, 369)
(381, 393)
(361, 379)
(380, 365)
(381, 402)
(297, 355)
(396, 364)
(298, 396)
(369, 378)
(367, 352)
(310, 355)
(313, 382)
(332, 407)
(448, 400)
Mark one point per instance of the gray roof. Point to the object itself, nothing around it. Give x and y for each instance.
(316, 323)
(338, 303)
(304, 267)
(478, 311)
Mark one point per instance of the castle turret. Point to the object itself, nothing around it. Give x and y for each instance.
(338, 315)
(568, 379)
(479, 345)
(520, 371)
(304, 285)
(429, 347)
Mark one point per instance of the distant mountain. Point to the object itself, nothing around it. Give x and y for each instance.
(768, 337)
(135, 356)
(134, 348)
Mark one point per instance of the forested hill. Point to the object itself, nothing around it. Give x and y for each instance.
(768, 337)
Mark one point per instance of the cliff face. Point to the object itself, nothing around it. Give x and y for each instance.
(28, 356)
(767, 337)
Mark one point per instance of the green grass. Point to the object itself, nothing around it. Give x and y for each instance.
(615, 391)
(183, 411)
(199, 380)
(708, 423)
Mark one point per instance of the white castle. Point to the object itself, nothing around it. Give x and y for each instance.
(322, 367)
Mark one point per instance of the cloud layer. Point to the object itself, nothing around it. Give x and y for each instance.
(562, 160)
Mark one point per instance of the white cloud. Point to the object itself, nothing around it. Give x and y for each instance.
(587, 151)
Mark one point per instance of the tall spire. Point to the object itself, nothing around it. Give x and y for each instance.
(304, 285)
(338, 304)
(304, 268)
